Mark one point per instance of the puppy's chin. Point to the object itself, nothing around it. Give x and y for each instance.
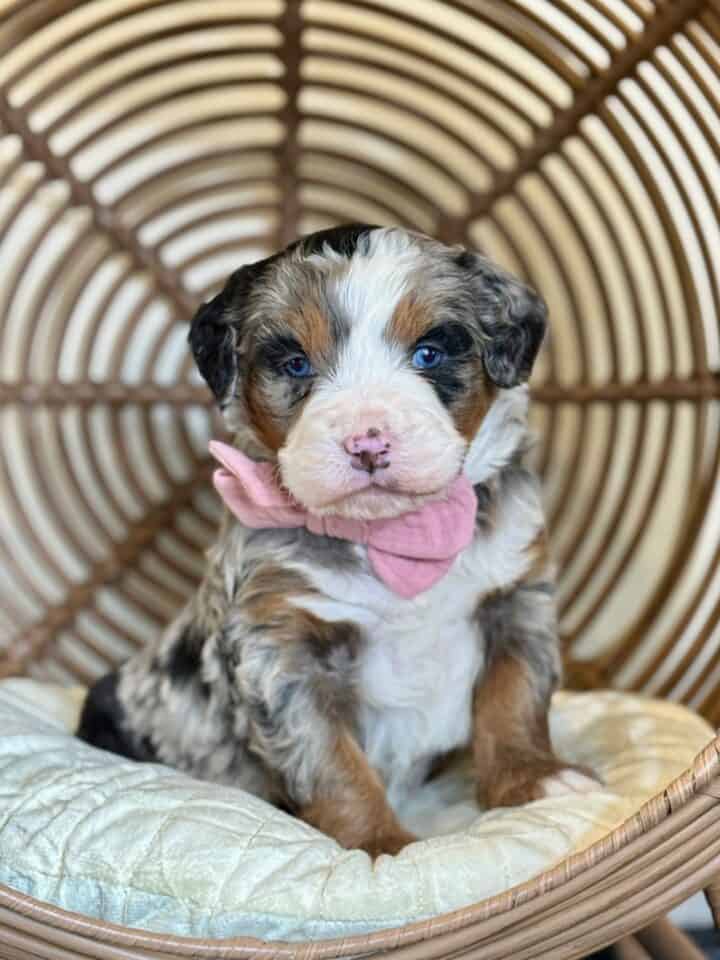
(376, 503)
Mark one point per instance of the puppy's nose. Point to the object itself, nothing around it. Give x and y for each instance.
(369, 451)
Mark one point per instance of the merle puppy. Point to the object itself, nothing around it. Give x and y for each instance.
(380, 593)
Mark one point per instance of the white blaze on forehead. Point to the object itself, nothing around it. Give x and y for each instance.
(371, 384)
(366, 293)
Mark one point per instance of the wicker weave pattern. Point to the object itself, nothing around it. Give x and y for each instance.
(148, 147)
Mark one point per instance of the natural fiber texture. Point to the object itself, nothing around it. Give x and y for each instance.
(148, 147)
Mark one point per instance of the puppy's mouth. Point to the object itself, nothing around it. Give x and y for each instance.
(374, 497)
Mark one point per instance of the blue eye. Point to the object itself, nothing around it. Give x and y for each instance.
(427, 357)
(298, 367)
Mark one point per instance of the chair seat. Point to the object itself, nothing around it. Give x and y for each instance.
(147, 847)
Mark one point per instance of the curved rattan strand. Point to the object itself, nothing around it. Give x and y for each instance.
(578, 147)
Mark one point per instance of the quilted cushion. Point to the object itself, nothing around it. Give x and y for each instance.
(145, 846)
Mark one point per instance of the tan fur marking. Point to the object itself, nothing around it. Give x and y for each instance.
(310, 325)
(272, 582)
(470, 413)
(267, 601)
(351, 804)
(266, 426)
(291, 623)
(410, 320)
(511, 742)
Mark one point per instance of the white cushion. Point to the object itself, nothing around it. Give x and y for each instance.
(145, 846)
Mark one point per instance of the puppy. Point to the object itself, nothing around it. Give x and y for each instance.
(380, 594)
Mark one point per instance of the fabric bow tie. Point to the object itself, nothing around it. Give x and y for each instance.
(408, 553)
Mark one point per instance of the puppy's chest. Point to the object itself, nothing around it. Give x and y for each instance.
(415, 680)
(420, 659)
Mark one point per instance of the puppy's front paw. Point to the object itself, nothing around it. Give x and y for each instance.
(570, 779)
(389, 841)
(534, 780)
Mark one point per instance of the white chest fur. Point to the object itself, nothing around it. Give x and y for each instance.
(415, 680)
(422, 658)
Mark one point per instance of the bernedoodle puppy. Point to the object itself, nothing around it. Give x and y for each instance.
(380, 593)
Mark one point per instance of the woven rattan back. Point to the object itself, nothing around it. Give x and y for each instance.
(149, 147)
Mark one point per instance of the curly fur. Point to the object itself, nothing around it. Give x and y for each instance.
(294, 673)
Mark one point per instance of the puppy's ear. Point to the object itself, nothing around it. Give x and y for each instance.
(211, 340)
(512, 319)
(215, 330)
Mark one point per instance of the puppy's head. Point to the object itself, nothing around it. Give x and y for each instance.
(364, 359)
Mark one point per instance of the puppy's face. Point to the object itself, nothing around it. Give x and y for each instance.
(364, 359)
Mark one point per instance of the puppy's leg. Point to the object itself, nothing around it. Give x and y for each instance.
(514, 759)
(349, 802)
(296, 678)
(103, 722)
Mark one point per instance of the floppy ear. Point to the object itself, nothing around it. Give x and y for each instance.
(211, 340)
(215, 330)
(512, 318)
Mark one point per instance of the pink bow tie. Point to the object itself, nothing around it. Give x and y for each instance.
(408, 553)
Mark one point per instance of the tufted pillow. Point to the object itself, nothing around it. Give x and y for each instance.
(144, 846)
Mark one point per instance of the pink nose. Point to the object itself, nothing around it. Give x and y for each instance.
(369, 451)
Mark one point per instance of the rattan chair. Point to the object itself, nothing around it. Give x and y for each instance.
(149, 147)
